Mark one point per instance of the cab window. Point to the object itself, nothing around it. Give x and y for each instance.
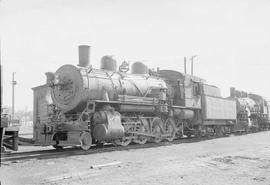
(196, 89)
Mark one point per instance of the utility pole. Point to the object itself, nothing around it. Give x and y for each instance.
(13, 83)
(192, 58)
(1, 79)
(185, 64)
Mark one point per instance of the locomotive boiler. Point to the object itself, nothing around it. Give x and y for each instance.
(72, 87)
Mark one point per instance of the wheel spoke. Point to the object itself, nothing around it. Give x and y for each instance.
(157, 129)
(170, 129)
(143, 129)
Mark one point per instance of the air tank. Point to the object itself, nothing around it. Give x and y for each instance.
(108, 63)
(183, 113)
(139, 68)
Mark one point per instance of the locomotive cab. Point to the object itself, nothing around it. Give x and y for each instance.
(184, 93)
(183, 89)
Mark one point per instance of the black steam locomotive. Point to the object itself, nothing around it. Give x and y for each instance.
(81, 105)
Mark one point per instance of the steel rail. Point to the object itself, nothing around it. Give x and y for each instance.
(66, 152)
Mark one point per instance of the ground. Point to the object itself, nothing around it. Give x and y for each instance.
(234, 160)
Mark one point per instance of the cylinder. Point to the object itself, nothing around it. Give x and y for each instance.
(139, 68)
(110, 129)
(108, 63)
(84, 53)
(183, 113)
(102, 132)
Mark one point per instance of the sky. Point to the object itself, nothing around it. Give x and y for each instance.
(230, 37)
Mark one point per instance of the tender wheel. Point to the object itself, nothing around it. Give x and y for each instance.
(85, 140)
(198, 132)
(170, 129)
(144, 129)
(219, 131)
(157, 129)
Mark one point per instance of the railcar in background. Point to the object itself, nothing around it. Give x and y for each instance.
(253, 111)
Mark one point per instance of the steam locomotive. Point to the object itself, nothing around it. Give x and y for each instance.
(81, 105)
(253, 111)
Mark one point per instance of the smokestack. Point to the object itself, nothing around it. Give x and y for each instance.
(49, 77)
(232, 92)
(84, 52)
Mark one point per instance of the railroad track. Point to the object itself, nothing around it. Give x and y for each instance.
(53, 153)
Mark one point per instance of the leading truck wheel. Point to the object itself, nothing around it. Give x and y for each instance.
(85, 140)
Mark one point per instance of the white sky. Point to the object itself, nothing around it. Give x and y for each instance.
(230, 37)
